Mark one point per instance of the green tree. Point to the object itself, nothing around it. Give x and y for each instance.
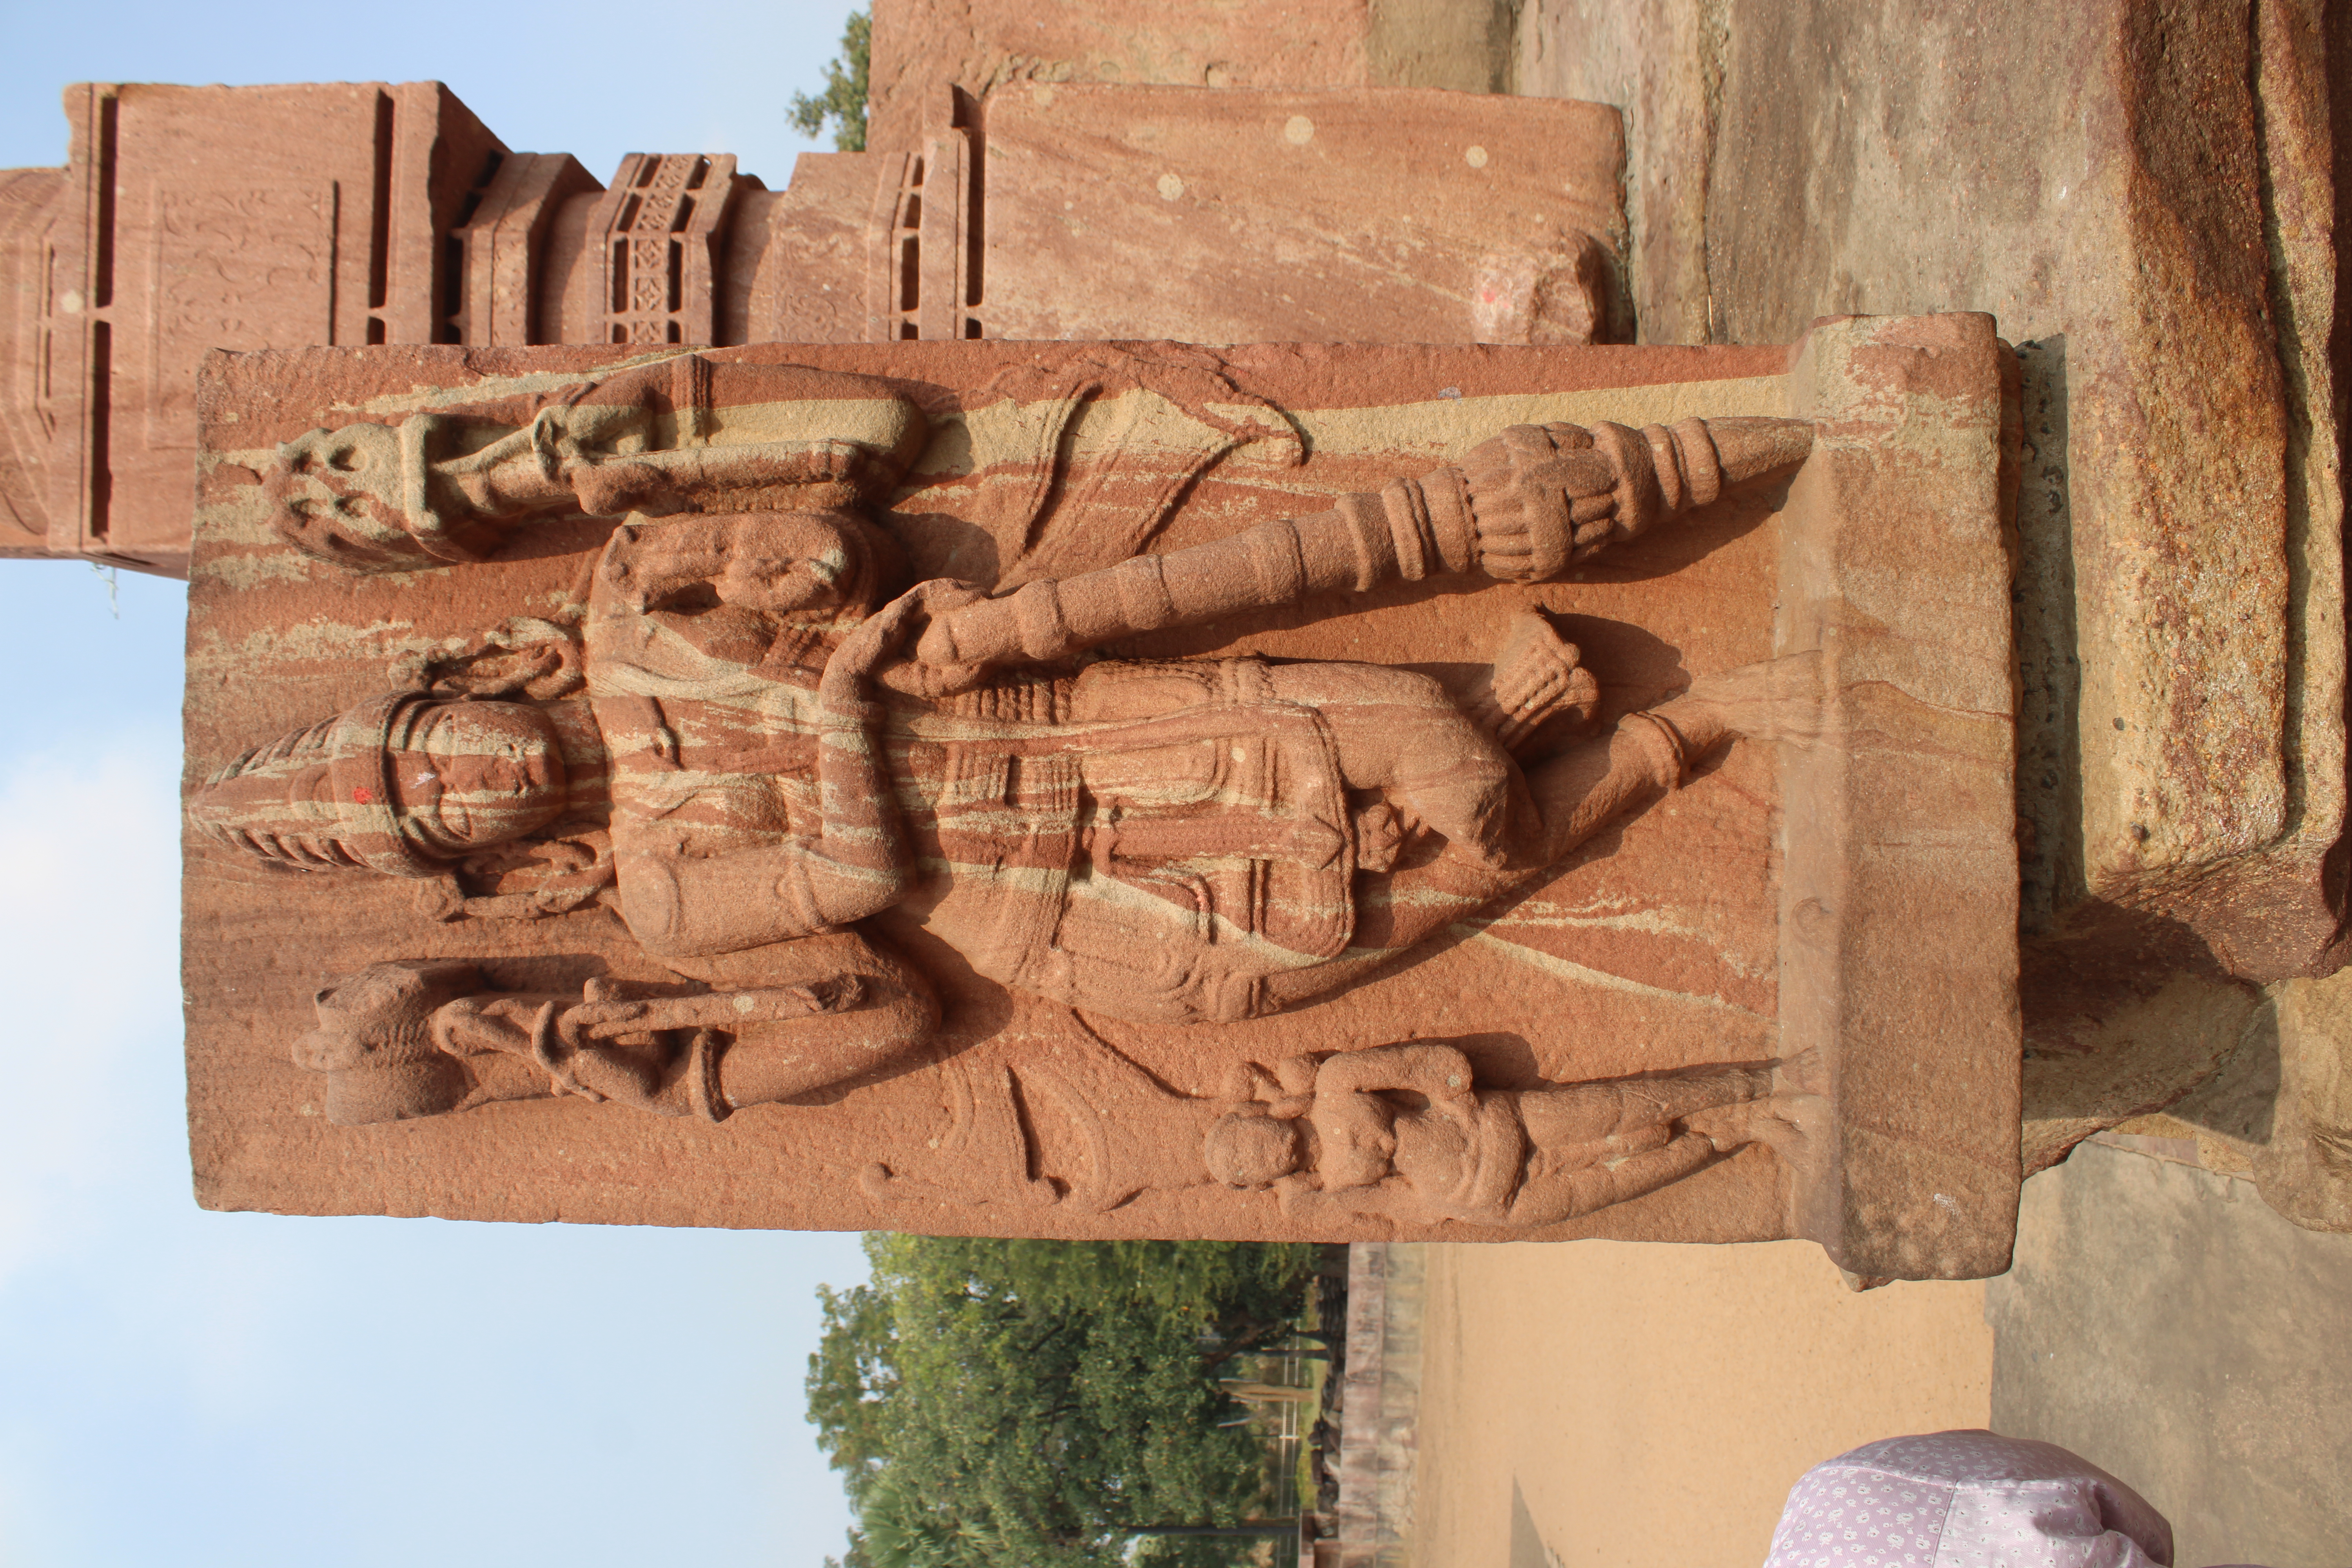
(1030, 1404)
(843, 101)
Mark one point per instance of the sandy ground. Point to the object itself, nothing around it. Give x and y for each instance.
(2165, 1324)
(1616, 1402)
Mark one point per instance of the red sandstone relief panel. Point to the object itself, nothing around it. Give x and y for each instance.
(1309, 792)
(1388, 215)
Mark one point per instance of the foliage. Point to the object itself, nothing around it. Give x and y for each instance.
(1029, 1404)
(843, 101)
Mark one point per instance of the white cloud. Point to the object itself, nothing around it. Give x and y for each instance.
(251, 1389)
(88, 965)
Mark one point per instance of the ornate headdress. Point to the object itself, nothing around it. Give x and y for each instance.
(319, 798)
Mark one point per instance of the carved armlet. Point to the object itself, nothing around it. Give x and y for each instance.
(1662, 745)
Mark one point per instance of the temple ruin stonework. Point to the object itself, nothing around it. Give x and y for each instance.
(1146, 657)
(1114, 790)
(193, 218)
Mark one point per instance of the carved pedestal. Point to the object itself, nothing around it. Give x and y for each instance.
(1324, 792)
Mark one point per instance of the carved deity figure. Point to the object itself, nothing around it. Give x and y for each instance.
(414, 1038)
(749, 733)
(1403, 1132)
(682, 434)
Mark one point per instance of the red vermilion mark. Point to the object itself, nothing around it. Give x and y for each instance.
(362, 797)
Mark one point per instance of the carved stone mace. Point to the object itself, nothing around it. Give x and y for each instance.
(1522, 507)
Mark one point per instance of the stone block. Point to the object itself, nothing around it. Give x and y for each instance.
(1302, 770)
(2143, 191)
(192, 218)
(2143, 195)
(1660, 63)
(925, 52)
(1393, 216)
(434, 232)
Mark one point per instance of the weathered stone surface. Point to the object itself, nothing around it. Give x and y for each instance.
(1926, 863)
(2278, 1109)
(1234, 216)
(800, 261)
(26, 196)
(1506, 235)
(2139, 1056)
(1460, 45)
(2304, 1165)
(2143, 195)
(2151, 219)
(927, 52)
(195, 218)
(924, 51)
(1659, 62)
(1691, 943)
(2120, 202)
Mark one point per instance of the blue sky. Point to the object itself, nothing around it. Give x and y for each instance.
(195, 1389)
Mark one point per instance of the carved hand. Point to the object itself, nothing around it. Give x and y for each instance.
(1540, 496)
(878, 637)
(1543, 497)
(903, 622)
(507, 1022)
(1301, 1198)
(1435, 1071)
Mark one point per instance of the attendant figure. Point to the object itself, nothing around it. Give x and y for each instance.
(774, 744)
(1402, 1131)
(412, 1037)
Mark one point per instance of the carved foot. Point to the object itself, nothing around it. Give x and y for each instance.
(1772, 700)
(1790, 1125)
(1803, 1073)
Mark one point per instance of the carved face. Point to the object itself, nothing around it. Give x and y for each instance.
(1247, 1149)
(337, 492)
(375, 1041)
(466, 775)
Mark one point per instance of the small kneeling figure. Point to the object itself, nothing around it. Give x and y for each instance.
(415, 1037)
